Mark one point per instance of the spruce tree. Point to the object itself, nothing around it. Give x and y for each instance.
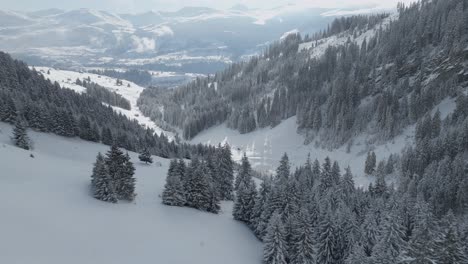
(101, 184)
(326, 242)
(20, 137)
(127, 188)
(245, 201)
(371, 163)
(259, 223)
(225, 173)
(174, 193)
(283, 170)
(303, 240)
(145, 156)
(245, 173)
(275, 249)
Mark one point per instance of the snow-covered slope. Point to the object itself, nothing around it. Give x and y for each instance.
(48, 214)
(264, 147)
(318, 48)
(128, 90)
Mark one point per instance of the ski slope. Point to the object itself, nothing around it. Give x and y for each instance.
(128, 90)
(49, 217)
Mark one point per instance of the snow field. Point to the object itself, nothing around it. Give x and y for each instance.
(48, 214)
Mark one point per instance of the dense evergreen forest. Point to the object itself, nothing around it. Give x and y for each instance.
(379, 86)
(315, 213)
(25, 95)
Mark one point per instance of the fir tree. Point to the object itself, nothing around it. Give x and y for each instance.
(20, 137)
(283, 170)
(145, 156)
(275, 249)
(174, 193)
(127, 187)
(371, 163)
(326, 242)
(225, 173)
(303, 240)
(101, 184)
(245, 201)
(245, 173)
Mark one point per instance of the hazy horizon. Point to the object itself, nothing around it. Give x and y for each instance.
(140, 6)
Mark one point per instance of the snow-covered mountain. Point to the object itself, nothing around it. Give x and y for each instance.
(193, 39)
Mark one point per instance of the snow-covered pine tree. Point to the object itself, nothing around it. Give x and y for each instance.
(198, 190)
(303, 240)
(326, 242)
(259, 224)
(275, 249)
(145, 156)
(421, 248)
(245, 201)
(326, 181)
(245, 173)
(127, 187)
(283, 170)
(390, 246)
(174, 194)
(371, 163)
(20, 137)
(448, 247)
(225, 172)
(121, 171)
(101, 183)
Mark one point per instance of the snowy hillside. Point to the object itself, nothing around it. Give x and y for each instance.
(264, 147)
(318, 48)
(127, 90)
(48, 214)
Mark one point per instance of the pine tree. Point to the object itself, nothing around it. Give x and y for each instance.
(121, 171)
(101, 183)
(20, 137)
(390, 247)
(275, 250)
(303, 240)
(449, 248)
(326, 242)
(283, 170)
(259, 223)
(197, 186)
(127, 188)
(174, 193)
(225, 173)
(245, 201)
(145, 156)
(245, 173)
(371, 162)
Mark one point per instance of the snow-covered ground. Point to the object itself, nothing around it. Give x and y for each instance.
(48, 215)
(264, 147)
(128, 90)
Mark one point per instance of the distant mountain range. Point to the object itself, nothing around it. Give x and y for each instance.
(192, 39)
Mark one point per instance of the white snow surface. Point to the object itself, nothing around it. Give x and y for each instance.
(264, 148)
(67, 79)
(49, 216)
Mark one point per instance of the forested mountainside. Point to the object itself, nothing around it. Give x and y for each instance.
(27, 97)
(382, 79)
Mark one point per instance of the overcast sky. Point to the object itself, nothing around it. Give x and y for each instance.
(133, 6)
